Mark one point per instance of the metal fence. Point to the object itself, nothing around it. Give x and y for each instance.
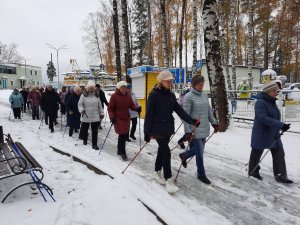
(242, 106)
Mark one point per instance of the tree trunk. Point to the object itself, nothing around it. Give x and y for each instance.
(183, 11)
(214, 63)
(250, 42)
(266, 50)
(96, 38)
(233, 42)
(149, 57)
(117, 39)
(165, 33)
(195, 33)
(127, 53)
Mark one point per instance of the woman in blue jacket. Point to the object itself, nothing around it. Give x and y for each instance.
(265, 134)
(16, 101)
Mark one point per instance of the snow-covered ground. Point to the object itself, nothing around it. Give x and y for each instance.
(84, 197)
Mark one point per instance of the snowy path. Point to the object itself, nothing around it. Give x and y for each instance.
(233, 198)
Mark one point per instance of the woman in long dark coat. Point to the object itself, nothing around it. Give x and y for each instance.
(72, 110)
(265, 134)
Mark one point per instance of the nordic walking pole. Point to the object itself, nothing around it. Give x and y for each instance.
(10, 114)
(105, 138)
(134, 157)
(140, 131)
(274, 142)
(43, 114)
(105, 118)
(175, 132)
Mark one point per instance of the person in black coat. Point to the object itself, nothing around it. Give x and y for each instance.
(72, 110)
(159, 124)
(103, 99)
(50, 101)
(24, 93)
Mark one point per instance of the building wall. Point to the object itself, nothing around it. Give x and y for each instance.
(33, 76)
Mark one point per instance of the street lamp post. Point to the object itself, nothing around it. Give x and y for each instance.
(57, 50)
(25, 60)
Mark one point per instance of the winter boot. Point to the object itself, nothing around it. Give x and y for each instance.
(133, 137)
(157, 177)
(181, 144)
(128, 140)
(52, 130)
(124, 157)
(95, 147)
(183, 160)
(70, 133)
(283, 179)
(85, 142)
(258, 176)
(171, 186)
(204, 179)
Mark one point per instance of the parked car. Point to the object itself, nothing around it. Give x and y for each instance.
(290, 88)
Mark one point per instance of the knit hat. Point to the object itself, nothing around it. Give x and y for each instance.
(90, 83)
(129, 86)
(165, 75)
(271, 86)
(121, 83)
(196, 80)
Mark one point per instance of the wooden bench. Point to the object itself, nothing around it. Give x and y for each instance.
(16, 162)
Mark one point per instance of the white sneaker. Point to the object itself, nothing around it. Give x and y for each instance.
(171, 186)
(157, 176)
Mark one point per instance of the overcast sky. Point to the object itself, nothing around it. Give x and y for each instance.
(32, 23)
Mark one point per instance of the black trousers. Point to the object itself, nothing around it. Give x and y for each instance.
(279, 166)
(35, 112)
(51, 121)
(163, 158)
(121, 144)
(84, 131)
(17, 113)
(24, 106)
(133, 126)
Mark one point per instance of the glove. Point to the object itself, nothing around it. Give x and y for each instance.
(101, 117)
(188, 136)
(139, 109)
(196, 122)
(113, 120)
(147, 138)
(216, 128)
(286, 127)
(82, 112)
(71, 112)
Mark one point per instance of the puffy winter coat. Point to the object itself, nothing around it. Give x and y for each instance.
(34, 97)
(159, 120)
(196, 104)
(24, 93)
(72, 106)
(102, 98)
(118, 108)
(267, 123)
(134, 114)
(16, 100)
(50, 102)
(91, 105)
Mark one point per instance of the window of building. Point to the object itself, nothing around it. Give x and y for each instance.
(8, 69)
(33, 82)
(38, 83)
(0, 82)
(11, 83)
(35, 72)
(30, 72)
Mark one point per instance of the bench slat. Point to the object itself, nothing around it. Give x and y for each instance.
(28, 156)
(9, 155)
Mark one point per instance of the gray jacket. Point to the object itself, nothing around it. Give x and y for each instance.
(196, 104)
(134, 114)
(91, 105)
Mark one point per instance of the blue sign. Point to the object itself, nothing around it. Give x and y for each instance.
(199, 64)
(176, 73)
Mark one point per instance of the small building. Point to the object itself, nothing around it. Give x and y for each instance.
(15, 75)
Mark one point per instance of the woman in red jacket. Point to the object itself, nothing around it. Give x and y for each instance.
(118, 110)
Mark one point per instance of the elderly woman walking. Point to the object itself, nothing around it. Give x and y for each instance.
(72, 110)
(159, 124)
(196, 104)
(118, 110)
(91, 111)
(34, 98)
(265, 134)
(16, 101)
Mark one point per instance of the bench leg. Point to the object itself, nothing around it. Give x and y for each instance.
(21, 185)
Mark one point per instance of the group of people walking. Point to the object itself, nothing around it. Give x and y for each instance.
(84, 108)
